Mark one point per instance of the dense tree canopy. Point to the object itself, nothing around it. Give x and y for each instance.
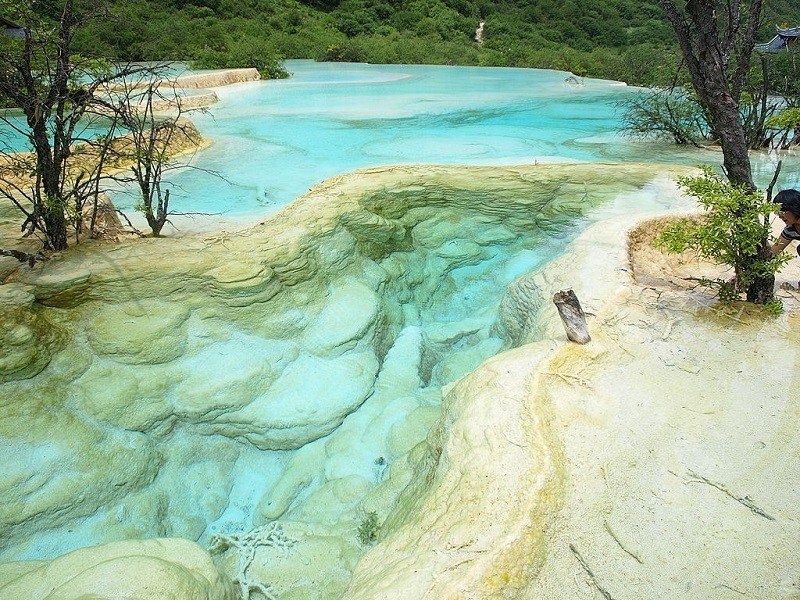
(622, 39)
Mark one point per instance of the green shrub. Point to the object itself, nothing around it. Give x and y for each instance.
(731, 231)
(785, 127)
(788, 118)
(242, 53)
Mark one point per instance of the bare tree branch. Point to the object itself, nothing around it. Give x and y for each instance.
(24, 257)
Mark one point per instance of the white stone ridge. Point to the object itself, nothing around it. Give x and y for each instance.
(160, 568)
(217, 78)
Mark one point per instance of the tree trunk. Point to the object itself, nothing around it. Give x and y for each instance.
(572, 316)
(735, 150)
(56, 229)
(707, 55)
(707, 52)
(762, 290)
(155, 224)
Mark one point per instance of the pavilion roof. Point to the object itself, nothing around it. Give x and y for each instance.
(781, 41)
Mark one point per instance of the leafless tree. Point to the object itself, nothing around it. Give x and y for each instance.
(150, 110)
(65, 123)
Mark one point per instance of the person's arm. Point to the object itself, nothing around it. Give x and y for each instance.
(780, 244)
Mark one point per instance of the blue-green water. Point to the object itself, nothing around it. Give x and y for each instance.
(12, 138)
(275, 139)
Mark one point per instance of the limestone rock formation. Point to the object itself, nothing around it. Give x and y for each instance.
(141, 570)
(291, 371)
(217, 78)
(64, 467)
(518, 310)
(146, 331)
(26, 342)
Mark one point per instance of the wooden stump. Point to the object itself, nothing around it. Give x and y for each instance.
(572, 316)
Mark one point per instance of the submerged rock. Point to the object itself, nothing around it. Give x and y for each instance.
(146, 570)
(64, 467)
(26, 341)
(309, 400)
(59, 287)
(351, 310)
(144, 331)
(518, 311)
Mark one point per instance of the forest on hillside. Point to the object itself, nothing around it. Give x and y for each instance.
(627, 40)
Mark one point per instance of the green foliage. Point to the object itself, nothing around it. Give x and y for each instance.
(644, 64)
(396, 50)
(784, 74)
(731, 231)
(788, 118)
(368, 529)
(242, 53)
(774, 306)
(785, 127)
(627, 40)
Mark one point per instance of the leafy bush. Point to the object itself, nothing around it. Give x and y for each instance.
(643, 64)
(784, 76)
(786, 125)
(396, 49)
(787, 119)
(732, 231)
(243, 53)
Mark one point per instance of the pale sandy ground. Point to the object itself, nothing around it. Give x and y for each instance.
(679, 428)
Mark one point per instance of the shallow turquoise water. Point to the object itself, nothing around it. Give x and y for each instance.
(13, 141)
(220, 481)
(273, 140)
